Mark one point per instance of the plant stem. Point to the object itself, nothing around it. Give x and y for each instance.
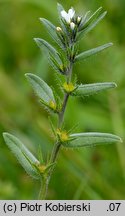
(43, 189)
(61, 114)
(69, 72)
(57, 145)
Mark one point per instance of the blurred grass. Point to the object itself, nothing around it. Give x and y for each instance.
(91, 173)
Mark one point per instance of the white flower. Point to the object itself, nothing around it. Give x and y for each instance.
(71, 12)
(72, 25)
(68, 16)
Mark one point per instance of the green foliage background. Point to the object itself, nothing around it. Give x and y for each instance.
(88, 173)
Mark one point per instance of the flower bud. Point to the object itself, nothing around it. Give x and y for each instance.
(72, 25)
(79, 19)
(59, 29)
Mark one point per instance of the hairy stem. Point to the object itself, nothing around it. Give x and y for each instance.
(69, 77)
(61, 114)
(57, 145)
(55, 152)
(43, 189)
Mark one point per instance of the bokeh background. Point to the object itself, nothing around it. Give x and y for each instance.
(89, 173)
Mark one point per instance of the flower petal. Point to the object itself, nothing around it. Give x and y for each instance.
(71, 13)
(64, 14)
(68, 16)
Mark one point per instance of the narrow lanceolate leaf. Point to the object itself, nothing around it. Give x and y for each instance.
(23, 155)
(91, 52)
(90, 139)
(92, 18)
(90, 89)
(59, 8)
(41, 88)
(44, 44)
(91, 26)
(84, 20)
(51, 29)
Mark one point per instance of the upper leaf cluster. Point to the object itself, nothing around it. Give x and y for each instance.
(67, 36)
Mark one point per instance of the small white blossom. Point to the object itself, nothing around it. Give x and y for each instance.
(68, 16)
(72, 25)
(71, 13)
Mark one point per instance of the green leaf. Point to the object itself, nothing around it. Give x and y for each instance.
(41, 88)
(23, 155)
(84, 20)
(40, 155)
(90, 139)
(90, 89)
(51, 30)
(59, 8)
(91, 52)
(92, 18)
(50, 27)
(42, 43)
(55, 65)
(91, 26)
